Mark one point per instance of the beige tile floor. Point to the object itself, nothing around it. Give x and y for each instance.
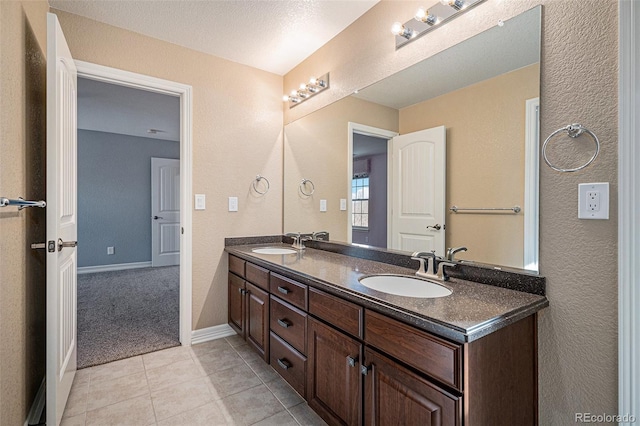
(222, 382)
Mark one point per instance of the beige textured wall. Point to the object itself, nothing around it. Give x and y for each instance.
(237, 134)
(577, 333)
(485, 161)
(316, 148)
(22, 156)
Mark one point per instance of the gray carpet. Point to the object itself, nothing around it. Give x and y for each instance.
(126, 313)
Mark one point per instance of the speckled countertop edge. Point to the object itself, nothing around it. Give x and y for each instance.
(337, 274)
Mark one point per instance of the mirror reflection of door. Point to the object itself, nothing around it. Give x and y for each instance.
(369, 190)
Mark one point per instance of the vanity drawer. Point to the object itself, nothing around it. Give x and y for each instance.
(236, 265)
(436, 357)
(289, 363)
(289, 290)
(290, 323)
(344, 315)
(257, 275)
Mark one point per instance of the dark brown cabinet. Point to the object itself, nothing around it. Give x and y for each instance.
(334, 386)
(395, 395)
(249, 305)
(357, 366)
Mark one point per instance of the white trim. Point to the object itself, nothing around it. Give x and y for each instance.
(35, 413)
(211, 333)
(112, 267)
(157, 85)
(363, 129)
(531, 184)
(628, 207)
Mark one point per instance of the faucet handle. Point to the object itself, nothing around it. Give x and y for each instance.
(441, 266)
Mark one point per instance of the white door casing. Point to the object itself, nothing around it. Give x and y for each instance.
(418, 191)
(165, 212)
(61, 346)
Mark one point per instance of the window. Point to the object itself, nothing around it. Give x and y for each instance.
(360, 202)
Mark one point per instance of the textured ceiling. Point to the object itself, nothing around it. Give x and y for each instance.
(272, 35)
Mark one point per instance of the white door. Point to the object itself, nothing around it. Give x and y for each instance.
(62, 229)
(165, 212)
(418, 191)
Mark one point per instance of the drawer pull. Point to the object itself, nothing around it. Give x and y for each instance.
(284, 363)
(284, 323)
(283, 290)
(351, 361)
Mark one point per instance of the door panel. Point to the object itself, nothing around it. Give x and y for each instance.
(165, 212)
(61, 221)
(258, 320)
(418, 191)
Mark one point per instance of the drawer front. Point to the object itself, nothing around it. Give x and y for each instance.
(289, 363)
(289, 290)
(236, 265)
(257, 275)
(290, 323)
(436, 357)
(344, 315)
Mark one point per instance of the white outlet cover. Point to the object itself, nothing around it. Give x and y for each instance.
(343, 204)
(323, 205)
(200, 201)
(586, 210)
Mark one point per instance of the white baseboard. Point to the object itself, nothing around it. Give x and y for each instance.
(113, 267)
(35, 413)
(211, 333)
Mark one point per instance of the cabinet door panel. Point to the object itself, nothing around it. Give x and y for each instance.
(257, 325)
(397, 396)
(334, 387)
(236, 304)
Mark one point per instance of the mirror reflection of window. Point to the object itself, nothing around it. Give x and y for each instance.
(360, 201)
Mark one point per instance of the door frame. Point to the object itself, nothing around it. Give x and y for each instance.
(628, 206)
(363, 129)
(184, 92)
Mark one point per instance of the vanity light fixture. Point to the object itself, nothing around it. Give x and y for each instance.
(307, 90)
(428, 19)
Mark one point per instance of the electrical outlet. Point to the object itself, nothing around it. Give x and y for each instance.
(110, 250)
(323, 205)
(200, 202)
(593, 200)
(343, 204)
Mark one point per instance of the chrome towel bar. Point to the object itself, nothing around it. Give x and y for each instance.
(21, 203)
(514, 209)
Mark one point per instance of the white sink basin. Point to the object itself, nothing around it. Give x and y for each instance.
(405, 286)
(273, 250)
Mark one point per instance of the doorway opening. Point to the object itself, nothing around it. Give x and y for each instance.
(134, 231)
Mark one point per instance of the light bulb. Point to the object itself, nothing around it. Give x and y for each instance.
(303, 86)
(423, 15)
(285, 98)
(294, 93)
(420, 14)
(397, 28)
(313, 81)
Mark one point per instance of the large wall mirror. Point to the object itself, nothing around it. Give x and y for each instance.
(457, 129)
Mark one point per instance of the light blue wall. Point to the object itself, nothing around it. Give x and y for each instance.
(114, 196)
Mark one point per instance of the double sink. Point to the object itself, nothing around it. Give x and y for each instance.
(399, 285)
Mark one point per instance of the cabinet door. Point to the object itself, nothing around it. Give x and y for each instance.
(395, 395)
(257, 320)
(334, 386)
(236, 304)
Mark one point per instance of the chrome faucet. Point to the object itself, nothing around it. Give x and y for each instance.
(430, 270)
(298, 240)
(320, 236)
(451, 252)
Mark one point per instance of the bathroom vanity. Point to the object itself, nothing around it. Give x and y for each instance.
(360, 356)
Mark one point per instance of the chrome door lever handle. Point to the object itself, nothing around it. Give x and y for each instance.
(437, 227)
(63, 244)
(157, 217)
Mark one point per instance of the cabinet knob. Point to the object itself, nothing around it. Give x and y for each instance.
(364, 370)
(351, 361)
(242, 291)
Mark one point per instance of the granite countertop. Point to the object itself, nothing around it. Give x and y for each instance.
(472, 311)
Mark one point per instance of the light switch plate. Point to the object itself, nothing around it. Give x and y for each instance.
(200, 201)
(233, 204)
(343, 203)
(323, 205)
(593, 200)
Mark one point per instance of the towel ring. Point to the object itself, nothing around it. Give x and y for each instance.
(303, 184)
(255, 184)
(573, 130)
